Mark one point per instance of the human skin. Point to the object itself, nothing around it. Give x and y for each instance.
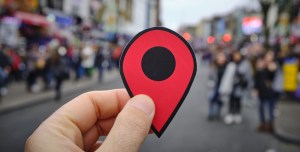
(77, 125)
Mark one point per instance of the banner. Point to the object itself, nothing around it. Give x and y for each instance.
(9, 31)
(33, 4)
(27, 5)
(290, 75)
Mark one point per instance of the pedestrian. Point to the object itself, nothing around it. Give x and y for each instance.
(5, 68)
(78, 125)
(58, 67)
(215, 77)
(238, 78)
(264, 76)
(77, 59)
(16, 62)
(116, 55)
(40, 66)
(99, 63)
(31, 65)
(88, 58)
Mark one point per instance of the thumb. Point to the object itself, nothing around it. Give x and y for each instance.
(131, 127)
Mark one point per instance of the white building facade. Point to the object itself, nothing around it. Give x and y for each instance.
(80, 8)
(130, 16)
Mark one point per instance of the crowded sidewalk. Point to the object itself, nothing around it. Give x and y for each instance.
(268, 77)
(18, 97)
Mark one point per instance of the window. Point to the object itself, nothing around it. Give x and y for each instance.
(55, 4)
(129, 6)
(125, 9)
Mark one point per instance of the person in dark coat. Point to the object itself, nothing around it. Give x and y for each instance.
(215, 77)
(59, 69)
(31, 70)
(99, 63)
(77, 59)
(5, 66)
(264, 76)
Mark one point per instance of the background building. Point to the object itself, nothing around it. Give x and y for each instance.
(136, 15)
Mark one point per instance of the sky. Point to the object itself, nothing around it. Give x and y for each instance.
(186, 12)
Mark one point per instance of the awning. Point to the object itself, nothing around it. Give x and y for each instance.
(32, 19)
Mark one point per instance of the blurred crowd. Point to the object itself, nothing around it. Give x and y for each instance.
(252, 71)
(55, 62)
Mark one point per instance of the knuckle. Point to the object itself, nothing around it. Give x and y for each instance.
(29, 143)
(137, 123)
(86, 94)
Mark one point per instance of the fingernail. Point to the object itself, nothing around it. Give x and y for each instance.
(144, 103)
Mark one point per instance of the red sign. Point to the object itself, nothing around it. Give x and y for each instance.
(251, 25)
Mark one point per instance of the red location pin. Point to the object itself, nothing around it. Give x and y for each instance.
(160, 63)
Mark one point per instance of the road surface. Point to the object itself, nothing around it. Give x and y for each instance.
(189, 130)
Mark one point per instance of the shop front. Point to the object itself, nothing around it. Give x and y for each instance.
(34, 28)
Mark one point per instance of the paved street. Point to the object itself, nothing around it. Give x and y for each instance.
(189, 131)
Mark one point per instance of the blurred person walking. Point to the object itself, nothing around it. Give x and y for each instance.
(16, 65)
(41, 71)
(99, 62)
(116, 55)
(31, 68)
(58, 67)
(215, 77)
(237, 77)
(206, 56)
(77, 59)
(5, 67)
(108, 52)
(88, 58)
(264, 78)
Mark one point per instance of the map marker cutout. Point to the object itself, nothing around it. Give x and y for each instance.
(160, 63)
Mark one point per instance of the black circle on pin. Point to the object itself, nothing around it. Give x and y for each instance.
(158, 63)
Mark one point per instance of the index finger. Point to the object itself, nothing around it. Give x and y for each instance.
(86, 109)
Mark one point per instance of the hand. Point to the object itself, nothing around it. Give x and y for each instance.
(77, 125)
